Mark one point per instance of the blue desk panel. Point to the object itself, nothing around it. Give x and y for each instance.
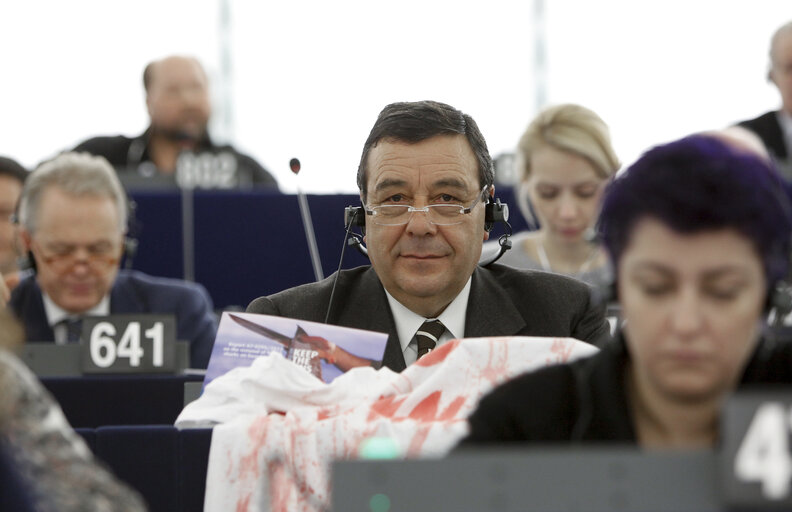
(91, 402)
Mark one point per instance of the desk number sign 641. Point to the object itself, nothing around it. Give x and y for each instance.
(128, 344)
(757, 461)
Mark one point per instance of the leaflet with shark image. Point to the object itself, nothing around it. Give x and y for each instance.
(325, 351)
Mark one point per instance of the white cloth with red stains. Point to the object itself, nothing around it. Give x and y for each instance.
(278, 428)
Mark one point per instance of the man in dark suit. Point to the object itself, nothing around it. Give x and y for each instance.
(426, 180)
(775, 127)
(73, 222)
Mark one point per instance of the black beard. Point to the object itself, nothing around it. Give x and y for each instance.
(175, 135)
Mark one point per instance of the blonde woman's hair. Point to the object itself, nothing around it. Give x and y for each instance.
(572, 129)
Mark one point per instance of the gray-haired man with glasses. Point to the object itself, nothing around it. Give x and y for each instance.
(73, 221)
(425, 177)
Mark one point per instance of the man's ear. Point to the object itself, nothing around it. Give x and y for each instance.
(148, 105)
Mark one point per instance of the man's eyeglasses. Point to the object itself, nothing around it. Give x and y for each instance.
(62, 259)
(438, 214)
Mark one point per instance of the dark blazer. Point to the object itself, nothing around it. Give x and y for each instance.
(769, 130)
(134, 292)
(503, 302)
(586, 400)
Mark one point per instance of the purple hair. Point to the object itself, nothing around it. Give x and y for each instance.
(701, 183)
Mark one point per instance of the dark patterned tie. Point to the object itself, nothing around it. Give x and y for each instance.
(73, 329)
(427, 336)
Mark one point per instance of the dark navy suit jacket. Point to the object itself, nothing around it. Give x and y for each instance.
(134, 292)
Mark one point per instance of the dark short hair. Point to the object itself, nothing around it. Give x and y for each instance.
(701, 183)
(11, 168)
(413, 122)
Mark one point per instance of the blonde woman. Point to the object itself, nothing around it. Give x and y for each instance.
(565, 158)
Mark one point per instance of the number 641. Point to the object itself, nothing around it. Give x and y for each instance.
(104, 350)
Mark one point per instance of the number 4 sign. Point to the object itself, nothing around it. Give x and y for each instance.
(128, 344)
(757, 467)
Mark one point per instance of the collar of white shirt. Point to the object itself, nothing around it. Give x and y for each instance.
(408, 322)
(56, 314)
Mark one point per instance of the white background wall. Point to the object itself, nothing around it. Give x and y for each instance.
(308, 77)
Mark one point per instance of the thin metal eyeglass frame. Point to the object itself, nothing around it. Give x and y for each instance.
(427, 210)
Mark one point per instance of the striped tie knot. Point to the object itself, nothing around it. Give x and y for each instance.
(427, 336)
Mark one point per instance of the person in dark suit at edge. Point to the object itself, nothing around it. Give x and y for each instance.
(775, 127)
(73, 218)
(425, 177)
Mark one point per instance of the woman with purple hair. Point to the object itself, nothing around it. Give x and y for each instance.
(698, 233)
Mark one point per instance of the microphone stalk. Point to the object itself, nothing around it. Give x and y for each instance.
(305, 213)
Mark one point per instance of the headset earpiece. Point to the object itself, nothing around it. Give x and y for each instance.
(495, 211)
(355, 215)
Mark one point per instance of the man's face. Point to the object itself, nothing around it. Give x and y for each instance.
(178, 97)
(77, 247)
(781, 71)
(10, 189)
(424, 265)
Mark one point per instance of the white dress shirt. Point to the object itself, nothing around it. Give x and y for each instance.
(56, 314)
(407, 322)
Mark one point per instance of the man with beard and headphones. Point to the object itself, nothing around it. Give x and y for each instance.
(426, 187)
(176, 148)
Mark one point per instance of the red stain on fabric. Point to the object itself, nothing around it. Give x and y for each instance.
(385, 407)
(497, 363)
(257, 433)
(280, 486)
(244, 504)
(452, 409)
(418, 440)
(437, 356)
(561, 349)
(427, 409)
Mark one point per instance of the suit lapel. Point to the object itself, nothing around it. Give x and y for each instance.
(490, 311)
(367, 308)
(34, 317)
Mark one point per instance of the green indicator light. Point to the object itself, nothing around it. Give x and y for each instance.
(379, 503)
(379, 448)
